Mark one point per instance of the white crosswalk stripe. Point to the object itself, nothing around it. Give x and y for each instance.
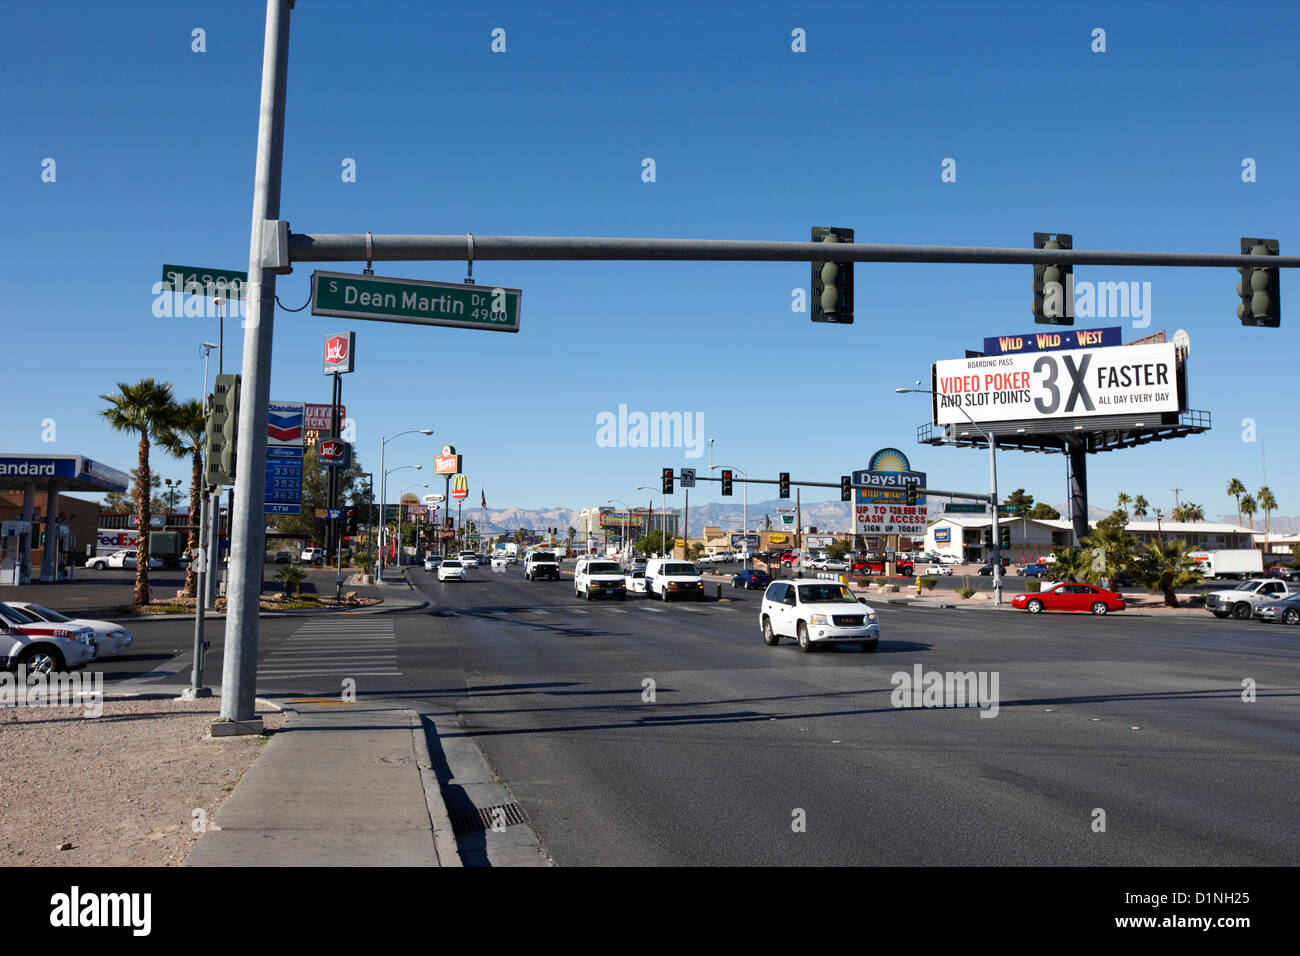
(334, 647)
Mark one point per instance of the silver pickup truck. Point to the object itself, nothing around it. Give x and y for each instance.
(1240, 601)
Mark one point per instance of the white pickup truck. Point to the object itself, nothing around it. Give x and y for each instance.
(1240, 601)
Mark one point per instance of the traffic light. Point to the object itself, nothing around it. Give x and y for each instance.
(1261, 303)
(988, 537)
(668, 481)
(911, 492)
(832, 282)
(1004, 537)
(726, 481)
(350, 525)
(785, 484)
(1053, 284)
(846, 488)
(227, 392)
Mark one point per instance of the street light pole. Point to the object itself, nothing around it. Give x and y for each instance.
(383, 479)
(993, 493)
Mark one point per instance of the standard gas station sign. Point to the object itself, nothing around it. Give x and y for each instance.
(415, 301)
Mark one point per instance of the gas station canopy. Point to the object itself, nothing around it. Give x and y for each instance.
(71, 472)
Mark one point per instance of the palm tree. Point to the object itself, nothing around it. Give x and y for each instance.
(1123, 501)
(1141, 507)
(1268, 503)
(1109, 550)
(183, 436)
(1249, 508)
(291, 576)
(1236, 489)
(1070, 564)
(1187, 511)
(144, 409)
(1163, 567)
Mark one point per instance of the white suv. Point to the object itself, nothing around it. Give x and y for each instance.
(668, 578)
(599, 576)
(817, 612)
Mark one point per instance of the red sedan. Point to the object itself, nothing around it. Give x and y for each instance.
(1070, 597)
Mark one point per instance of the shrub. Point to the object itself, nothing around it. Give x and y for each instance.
(929, 583)
(891, 588)
(290, 575)
(1031, 586)
(966, 591)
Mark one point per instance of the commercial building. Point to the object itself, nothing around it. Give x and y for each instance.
(605, 525)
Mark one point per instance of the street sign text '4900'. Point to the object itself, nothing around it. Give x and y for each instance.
(415, 301)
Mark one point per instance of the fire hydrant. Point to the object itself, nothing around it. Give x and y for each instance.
(918, 587)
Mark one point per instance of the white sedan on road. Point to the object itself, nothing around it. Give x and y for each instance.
(938, 569)
(111, 639)
(451, 568)
(125, 558)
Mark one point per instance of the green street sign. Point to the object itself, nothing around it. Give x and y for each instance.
(194, 280)
(1003, 509)
(415, 301)
(966, 509)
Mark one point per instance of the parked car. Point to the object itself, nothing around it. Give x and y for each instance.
(945, 569)
(817, 612)
(1286, 610)
(1283, 574)
(451, 569)
(834, 564)
(283, 557)
(595, 576)
(1070, 597)
(312, 555)
(1034, 571)
(126, 558)
(667, 579)
(40, 646)
(751, 580)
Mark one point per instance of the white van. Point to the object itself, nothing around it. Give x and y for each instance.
(599, 576)
(672, 577)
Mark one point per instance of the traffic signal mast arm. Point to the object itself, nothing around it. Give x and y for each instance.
(360, 248)
(835, 484)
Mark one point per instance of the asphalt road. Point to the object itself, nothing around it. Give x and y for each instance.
(1142, 718)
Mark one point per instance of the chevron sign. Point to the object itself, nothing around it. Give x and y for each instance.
(284, 424)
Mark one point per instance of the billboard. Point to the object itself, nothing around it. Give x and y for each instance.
(339, 348)
(1121, 380)
(284, 424)
(448, 462)
(880, 496)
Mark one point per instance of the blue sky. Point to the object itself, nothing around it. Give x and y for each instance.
(1139, 147)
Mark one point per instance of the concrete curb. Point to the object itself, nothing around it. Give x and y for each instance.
(444, 835)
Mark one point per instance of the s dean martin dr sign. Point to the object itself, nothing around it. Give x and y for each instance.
(1122, 380)
(415, 301)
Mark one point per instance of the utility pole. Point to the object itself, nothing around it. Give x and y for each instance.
(248, 538)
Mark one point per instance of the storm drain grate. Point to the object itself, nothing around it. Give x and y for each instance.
(484, 818)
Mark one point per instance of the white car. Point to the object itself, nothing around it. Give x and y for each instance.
(817, 612)
(41, 647)
(667, 578)
(451, 568)
(125, 558)
(595, 576)
(499, 562)
(310, 555)
(938, 569)
(111, 639)
(431, 563)
(950, 559)
(635, 582)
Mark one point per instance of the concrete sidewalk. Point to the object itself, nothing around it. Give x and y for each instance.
(339, 785)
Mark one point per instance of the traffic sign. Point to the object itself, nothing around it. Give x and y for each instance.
(688, 478)
(966, 509)
(195, 280)
(415, 301)
(334, 513)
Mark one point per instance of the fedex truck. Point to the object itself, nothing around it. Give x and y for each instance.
(1229, 563)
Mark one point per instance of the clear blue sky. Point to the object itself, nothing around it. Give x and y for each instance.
(1139, 147)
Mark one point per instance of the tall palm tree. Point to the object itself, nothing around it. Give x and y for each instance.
(1123, 501)
(143, 409)
(1268, 503)
(1141, 507)
(1235, 490)
(1248, 508)
(1163, 567)
(1071, 564)
(182, 436)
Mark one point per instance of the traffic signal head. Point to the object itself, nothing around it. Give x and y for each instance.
(350, 525)
(1053, 284)
(911, 492)
(832, 282)
(668, 481)
(726, 481)
(1004, 537)
(1260, 302)
(846, 488)
(785, 484)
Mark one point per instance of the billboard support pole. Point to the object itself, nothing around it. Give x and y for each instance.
(997, 535)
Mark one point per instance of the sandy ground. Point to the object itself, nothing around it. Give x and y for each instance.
(121, 788)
